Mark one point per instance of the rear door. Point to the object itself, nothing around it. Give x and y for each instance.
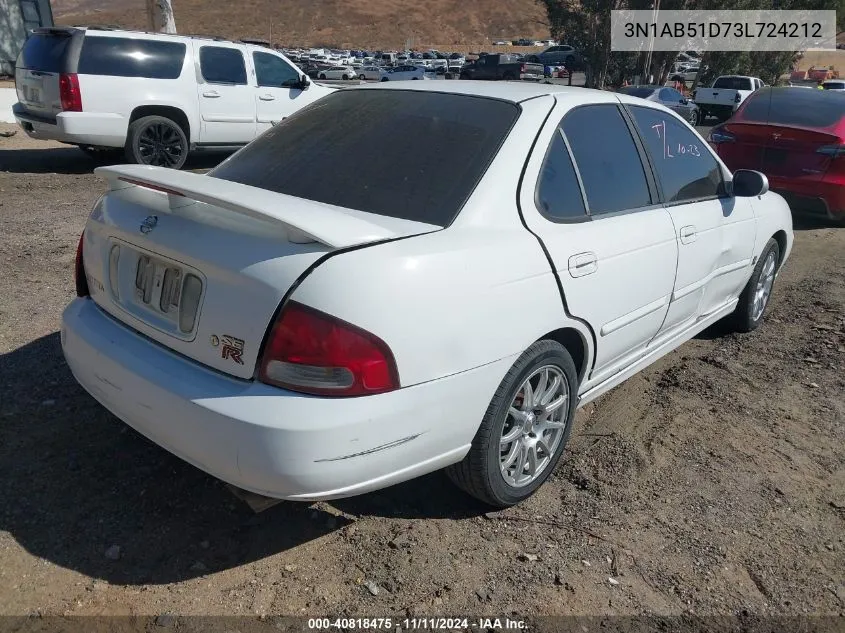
(226, 94)
(47, 54)
(595, 209)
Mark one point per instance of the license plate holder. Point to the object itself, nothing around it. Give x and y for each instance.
(34, 95)
(158, 285)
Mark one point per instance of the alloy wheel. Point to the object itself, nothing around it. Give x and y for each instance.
(763, 290)
(161, 145)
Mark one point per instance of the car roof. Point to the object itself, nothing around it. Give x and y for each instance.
(503, 90)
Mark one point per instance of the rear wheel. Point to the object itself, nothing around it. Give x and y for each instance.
(384, 78)
(525, 428)
(755, 297)
(464, 76)
(322, 76)
(156, 140)
(346, 77)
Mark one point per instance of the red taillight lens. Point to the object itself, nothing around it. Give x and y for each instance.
(69, 92)
(313, 352)
(79, 271)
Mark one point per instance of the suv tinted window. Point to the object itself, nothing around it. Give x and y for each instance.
(733, 83)
(47, 51)
(795, 106)
(684, 165)
(222, 65)
(607, 159)
(122, 57)
(558, 193)
(273, 71)
(308, 155)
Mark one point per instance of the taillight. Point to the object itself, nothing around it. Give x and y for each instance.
(737, 98)
(315, 353)
(720, 136)
(69, 92)
(79, 271)
(834, 151)
(522, 68)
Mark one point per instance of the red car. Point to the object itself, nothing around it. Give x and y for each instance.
(796, 136)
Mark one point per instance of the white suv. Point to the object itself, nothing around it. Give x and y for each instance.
(155, 96)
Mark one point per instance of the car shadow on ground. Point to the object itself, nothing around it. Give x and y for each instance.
(71, 160)
(78, 484)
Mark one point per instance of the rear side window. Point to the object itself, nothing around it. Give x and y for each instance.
(795, 106)
(48, 52)
(684, 165)
(642, 93)
(733, 83)
(221, 65)
(607, 159)
(122, 57)
(312, 154)
(558, 195)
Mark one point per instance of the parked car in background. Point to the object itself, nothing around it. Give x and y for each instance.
(668, 97)
(502, 66)
(834, 84)
(797, 138)
(726, 95)
(370, 73)
(338, 72)
(556, 55)
(403, 73)
(683, 72)
(154, 97)
(257, 364)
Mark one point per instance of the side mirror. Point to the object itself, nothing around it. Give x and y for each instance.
(304, 82)
(747, 183)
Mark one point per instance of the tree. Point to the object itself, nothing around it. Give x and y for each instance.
(160, 16)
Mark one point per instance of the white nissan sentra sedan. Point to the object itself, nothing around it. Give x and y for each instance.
(524, 249)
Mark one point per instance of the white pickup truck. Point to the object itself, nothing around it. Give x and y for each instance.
(727, 92)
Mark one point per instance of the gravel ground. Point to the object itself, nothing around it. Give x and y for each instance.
(711, 483)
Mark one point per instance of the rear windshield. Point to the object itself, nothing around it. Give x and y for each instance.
(642, 93)
(48, 52)
(122, 57)
(425, 152)
(795, 106)
(733, 83)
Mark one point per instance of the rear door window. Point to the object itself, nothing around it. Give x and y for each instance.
(221, 65)
(124, 57)
(685, 166)
(607, 159)
(454, 138)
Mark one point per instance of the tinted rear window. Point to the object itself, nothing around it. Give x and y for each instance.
(642, 93)
(46, 51)
(733, 83)
(425, 152)
(121, 57)
(834, 85)
(795, 106)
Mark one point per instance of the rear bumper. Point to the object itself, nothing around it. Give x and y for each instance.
(267, 440)
(76, 128)
(816, 198)
(532, 76)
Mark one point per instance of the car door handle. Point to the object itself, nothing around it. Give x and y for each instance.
(583, 264)
(687, 234)
(211, 94)
(267, 97)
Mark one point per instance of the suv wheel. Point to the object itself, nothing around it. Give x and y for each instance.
(157, 140)
(524, 430)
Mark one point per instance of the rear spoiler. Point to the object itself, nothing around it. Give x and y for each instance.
(304, 220)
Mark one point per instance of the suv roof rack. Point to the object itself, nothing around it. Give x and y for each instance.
(99, 27)
(255, 41)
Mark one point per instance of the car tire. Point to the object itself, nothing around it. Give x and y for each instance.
(321, 76)
(508, 76)
(384, 79)
(481, 473)
(464, 76)
(156, 140)
(415, 78)
(757, 293)
(693, 118)
(345, 77)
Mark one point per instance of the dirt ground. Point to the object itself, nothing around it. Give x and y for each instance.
(711, 483)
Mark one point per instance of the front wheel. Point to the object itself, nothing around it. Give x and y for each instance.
(755, 297)
(525, 428)
(345, 78)
(321, 76)
(156, 140)
(384, 79)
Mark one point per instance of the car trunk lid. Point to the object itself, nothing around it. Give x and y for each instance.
(794, 152)
(200, 265)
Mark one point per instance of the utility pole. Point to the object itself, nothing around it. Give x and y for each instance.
(647, 69)
(160, 16)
